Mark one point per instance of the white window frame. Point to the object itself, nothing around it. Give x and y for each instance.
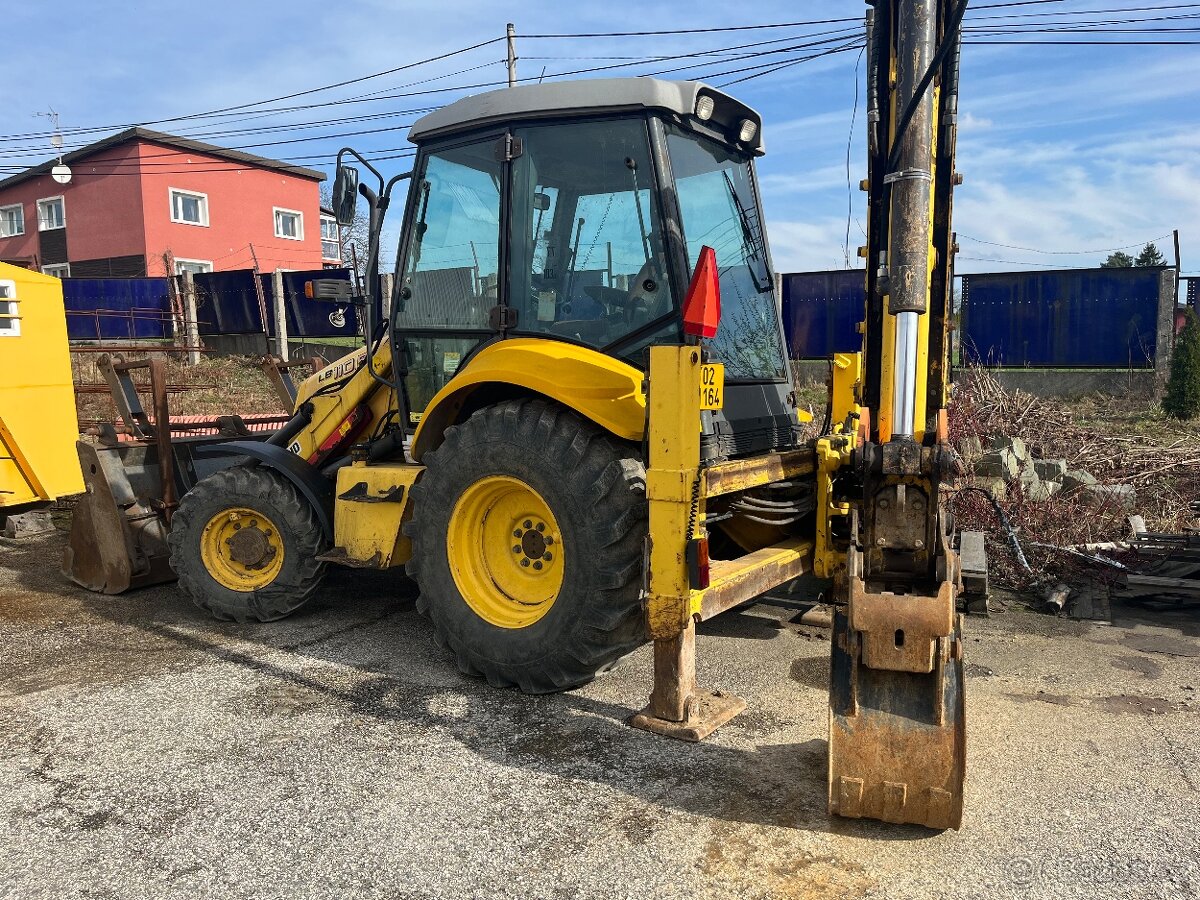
(10, 308)
(202, 197)
(21, 208)
(299, 236)
(55, 267)
(194, 262)
(336, 239)
(61, 199)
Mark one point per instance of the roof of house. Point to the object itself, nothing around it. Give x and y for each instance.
(170, 140)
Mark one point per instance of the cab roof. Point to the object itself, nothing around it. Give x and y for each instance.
(583, 97)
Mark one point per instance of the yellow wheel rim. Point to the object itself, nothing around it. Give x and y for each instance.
(505, 552)
(241, 549)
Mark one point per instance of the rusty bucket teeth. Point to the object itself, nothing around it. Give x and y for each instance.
(897, 740)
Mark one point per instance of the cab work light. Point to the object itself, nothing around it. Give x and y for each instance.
(704, 107)
(702, 305)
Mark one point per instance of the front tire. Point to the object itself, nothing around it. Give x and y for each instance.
(244, 544)
(527, 534)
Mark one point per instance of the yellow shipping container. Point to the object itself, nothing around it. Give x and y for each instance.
(38, 426)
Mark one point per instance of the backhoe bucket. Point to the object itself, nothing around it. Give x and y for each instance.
(897, 739)
(118, 540)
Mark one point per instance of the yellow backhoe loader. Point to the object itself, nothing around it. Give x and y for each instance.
(576, 428)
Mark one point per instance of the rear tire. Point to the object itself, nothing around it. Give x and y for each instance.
(244, 543)
(474, 549)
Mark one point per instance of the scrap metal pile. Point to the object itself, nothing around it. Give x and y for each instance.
(1067, 478)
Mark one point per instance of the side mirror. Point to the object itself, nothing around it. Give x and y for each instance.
(541, 202)
(345, 194)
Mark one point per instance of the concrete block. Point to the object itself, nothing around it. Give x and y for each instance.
(997, 487)
(1001, 463)
(970, 447)
(1040, 491)
(28, 524)
(1015, 444)
(1122, 495)
(1050, 469)
(1077, 478)
(973, 557)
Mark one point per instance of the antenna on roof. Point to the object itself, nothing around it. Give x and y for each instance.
(60, 173)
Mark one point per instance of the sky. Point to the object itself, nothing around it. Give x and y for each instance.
(1066, 151)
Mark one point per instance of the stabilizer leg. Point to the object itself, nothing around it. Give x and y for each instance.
(677, 709)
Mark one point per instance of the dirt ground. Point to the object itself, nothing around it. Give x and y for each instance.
(148, 751)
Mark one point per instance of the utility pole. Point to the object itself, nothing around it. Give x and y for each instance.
(1178, 268)
(512, 55)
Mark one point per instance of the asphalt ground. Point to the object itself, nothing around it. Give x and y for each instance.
(148, 751)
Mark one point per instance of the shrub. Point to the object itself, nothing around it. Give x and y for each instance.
(1182, 399)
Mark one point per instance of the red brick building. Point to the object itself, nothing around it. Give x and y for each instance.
(146, 203)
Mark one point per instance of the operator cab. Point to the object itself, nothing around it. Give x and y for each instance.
(577, 211)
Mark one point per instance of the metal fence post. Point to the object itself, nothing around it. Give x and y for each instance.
(191, 327)
(281, 335)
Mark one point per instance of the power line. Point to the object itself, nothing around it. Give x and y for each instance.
(849, 141)
(976, 240)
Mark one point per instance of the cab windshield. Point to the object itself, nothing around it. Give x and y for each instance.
(720, 209)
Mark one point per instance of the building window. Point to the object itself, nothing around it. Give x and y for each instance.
(330, 239)
(289, 224)
(10, 318)
(58, 270)
(188, 207)
(12, 220)
(195, 266)
(52, 213)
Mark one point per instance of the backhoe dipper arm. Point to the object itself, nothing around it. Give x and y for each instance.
(896, 702)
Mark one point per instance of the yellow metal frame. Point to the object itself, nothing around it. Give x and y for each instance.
(370, 508)
(677, 487)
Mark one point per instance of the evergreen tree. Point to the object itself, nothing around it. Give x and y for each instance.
(1150, 257)
(1118, 260)
(1182, 399)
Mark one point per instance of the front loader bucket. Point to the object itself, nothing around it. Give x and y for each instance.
(897, 740)
(117, 540)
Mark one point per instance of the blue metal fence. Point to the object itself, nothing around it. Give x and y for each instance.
(821, 311)
(308, 318)
(228, 303)
(1096, 318)
(117, 309)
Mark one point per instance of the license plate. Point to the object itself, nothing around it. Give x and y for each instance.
(712, 386)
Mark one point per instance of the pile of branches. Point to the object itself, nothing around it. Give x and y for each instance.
(1117, 440)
